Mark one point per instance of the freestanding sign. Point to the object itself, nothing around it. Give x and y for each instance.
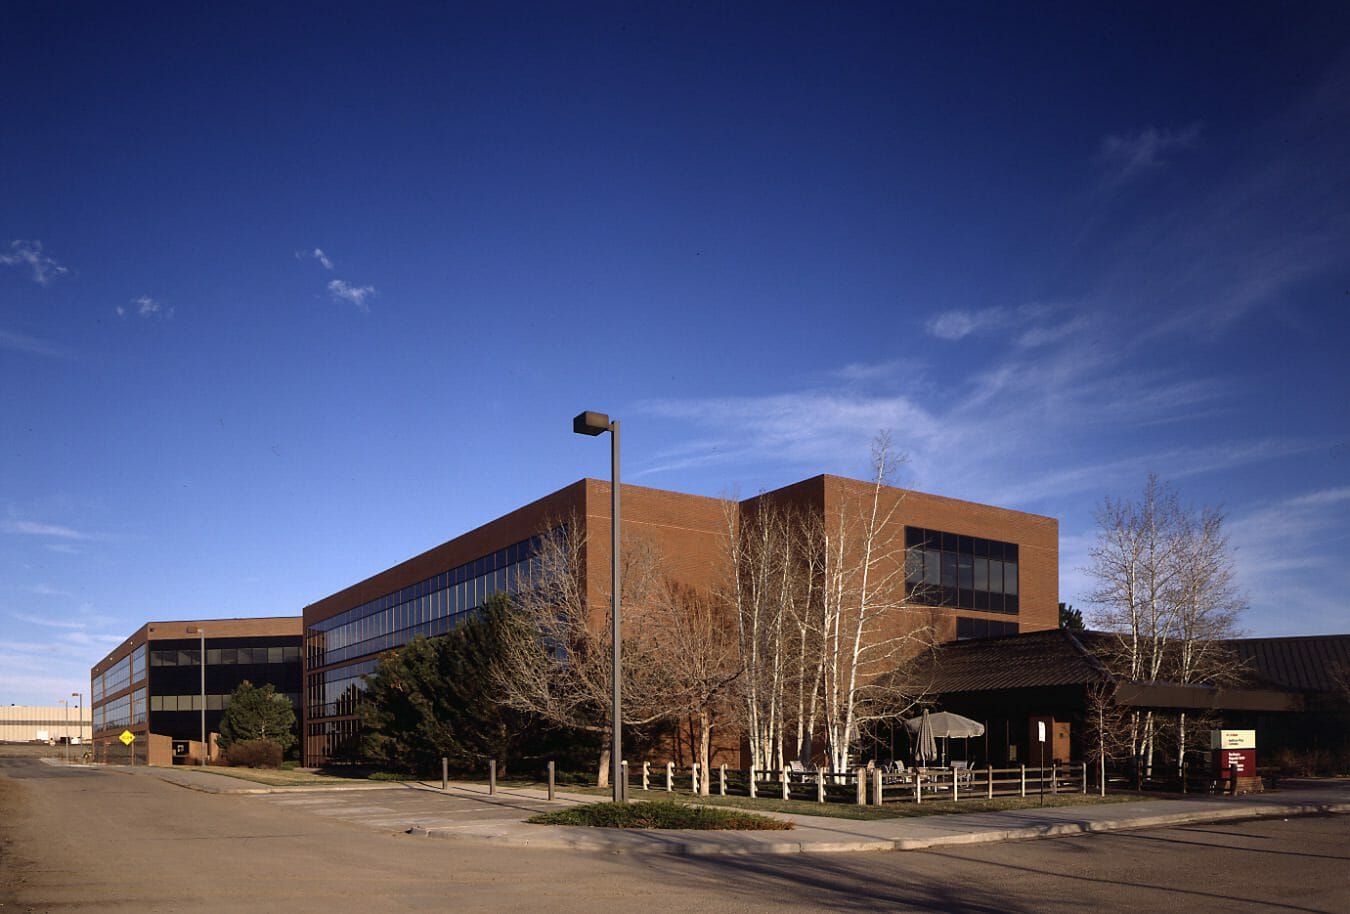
(1234, 749)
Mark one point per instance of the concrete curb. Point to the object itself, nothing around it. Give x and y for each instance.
(1060, 829)
(688, 844)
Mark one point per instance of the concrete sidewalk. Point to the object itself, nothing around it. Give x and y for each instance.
(821, 834)
(466, 812)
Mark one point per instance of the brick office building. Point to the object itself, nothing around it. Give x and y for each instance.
(992, 570)
(151, 684)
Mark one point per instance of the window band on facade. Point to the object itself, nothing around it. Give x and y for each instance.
(963, 572)
(430, 607)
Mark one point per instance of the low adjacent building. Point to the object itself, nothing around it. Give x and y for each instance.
(151, 695)
(1292, 691)
(61, 724)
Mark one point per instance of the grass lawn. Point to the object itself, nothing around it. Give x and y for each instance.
(295, 777)
(660, 814)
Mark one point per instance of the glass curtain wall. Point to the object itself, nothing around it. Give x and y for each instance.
(346, 642)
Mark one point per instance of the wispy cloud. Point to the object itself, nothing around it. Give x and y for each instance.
(955, 325)
(861, 371)
(146, 307)
(46, 590)
(30, 254)
(316, 254)
(48, 622)
(341, 290)
(18, 342)
(1239, 241)
(1124, 157)
(1277, 562)
(34, 528)
(1029, 326)
(1013, 432)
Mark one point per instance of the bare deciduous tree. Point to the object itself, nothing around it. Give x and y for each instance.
(557, 659)
(1165, 589)
(774, 567)
(699, 661)
(868, 628)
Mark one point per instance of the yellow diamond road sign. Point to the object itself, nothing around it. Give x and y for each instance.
(127, 737)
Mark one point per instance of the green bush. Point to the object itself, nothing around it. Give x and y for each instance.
(254, 753)
(656, 814)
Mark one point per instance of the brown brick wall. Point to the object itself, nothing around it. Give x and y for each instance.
(689, 532)
(843, 502)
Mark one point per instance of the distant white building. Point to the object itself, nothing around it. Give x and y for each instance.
(56, 724)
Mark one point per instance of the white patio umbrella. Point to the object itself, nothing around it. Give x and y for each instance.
(925, 749)
(944, 725)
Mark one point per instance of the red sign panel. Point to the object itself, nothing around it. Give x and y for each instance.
(1244, 760)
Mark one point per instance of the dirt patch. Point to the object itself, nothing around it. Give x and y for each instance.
(13, 812)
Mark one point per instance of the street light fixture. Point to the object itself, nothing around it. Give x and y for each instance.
(65, 702)
(79, 714)
(202, 632)
(591, 423)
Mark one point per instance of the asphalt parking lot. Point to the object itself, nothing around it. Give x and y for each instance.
(82, 839)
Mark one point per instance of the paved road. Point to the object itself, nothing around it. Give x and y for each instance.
(73, 839)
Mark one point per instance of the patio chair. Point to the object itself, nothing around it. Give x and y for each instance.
(800, 772)
(897, 773)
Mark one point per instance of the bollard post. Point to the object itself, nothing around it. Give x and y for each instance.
(989, 773)
(722, 782)
(1084, 772)
(956, 787)
(918, 786)
(492, 777)
(860, 777)
(551, 774)
(877, 797)
(670, 776)
(445, 773)
(1024, 780)
(1054, 778)
(646, 775)
(623, 771)
(820, 786)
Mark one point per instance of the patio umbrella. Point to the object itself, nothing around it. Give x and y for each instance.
(925, 750)
(945, 725)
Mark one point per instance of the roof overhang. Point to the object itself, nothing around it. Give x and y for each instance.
(1169, 696)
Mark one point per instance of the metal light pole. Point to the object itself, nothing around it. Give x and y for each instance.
(66, 703)
(79, 713)
(202, 632)
(590, 423)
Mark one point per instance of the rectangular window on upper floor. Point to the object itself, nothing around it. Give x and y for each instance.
(960, 571)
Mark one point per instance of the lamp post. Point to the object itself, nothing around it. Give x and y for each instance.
(202, 632)
(590, 423)
(79, 713)
(65, 702)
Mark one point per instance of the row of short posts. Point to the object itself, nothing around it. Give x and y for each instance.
(861, 781)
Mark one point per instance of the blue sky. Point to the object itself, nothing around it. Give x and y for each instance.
(291, 293)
